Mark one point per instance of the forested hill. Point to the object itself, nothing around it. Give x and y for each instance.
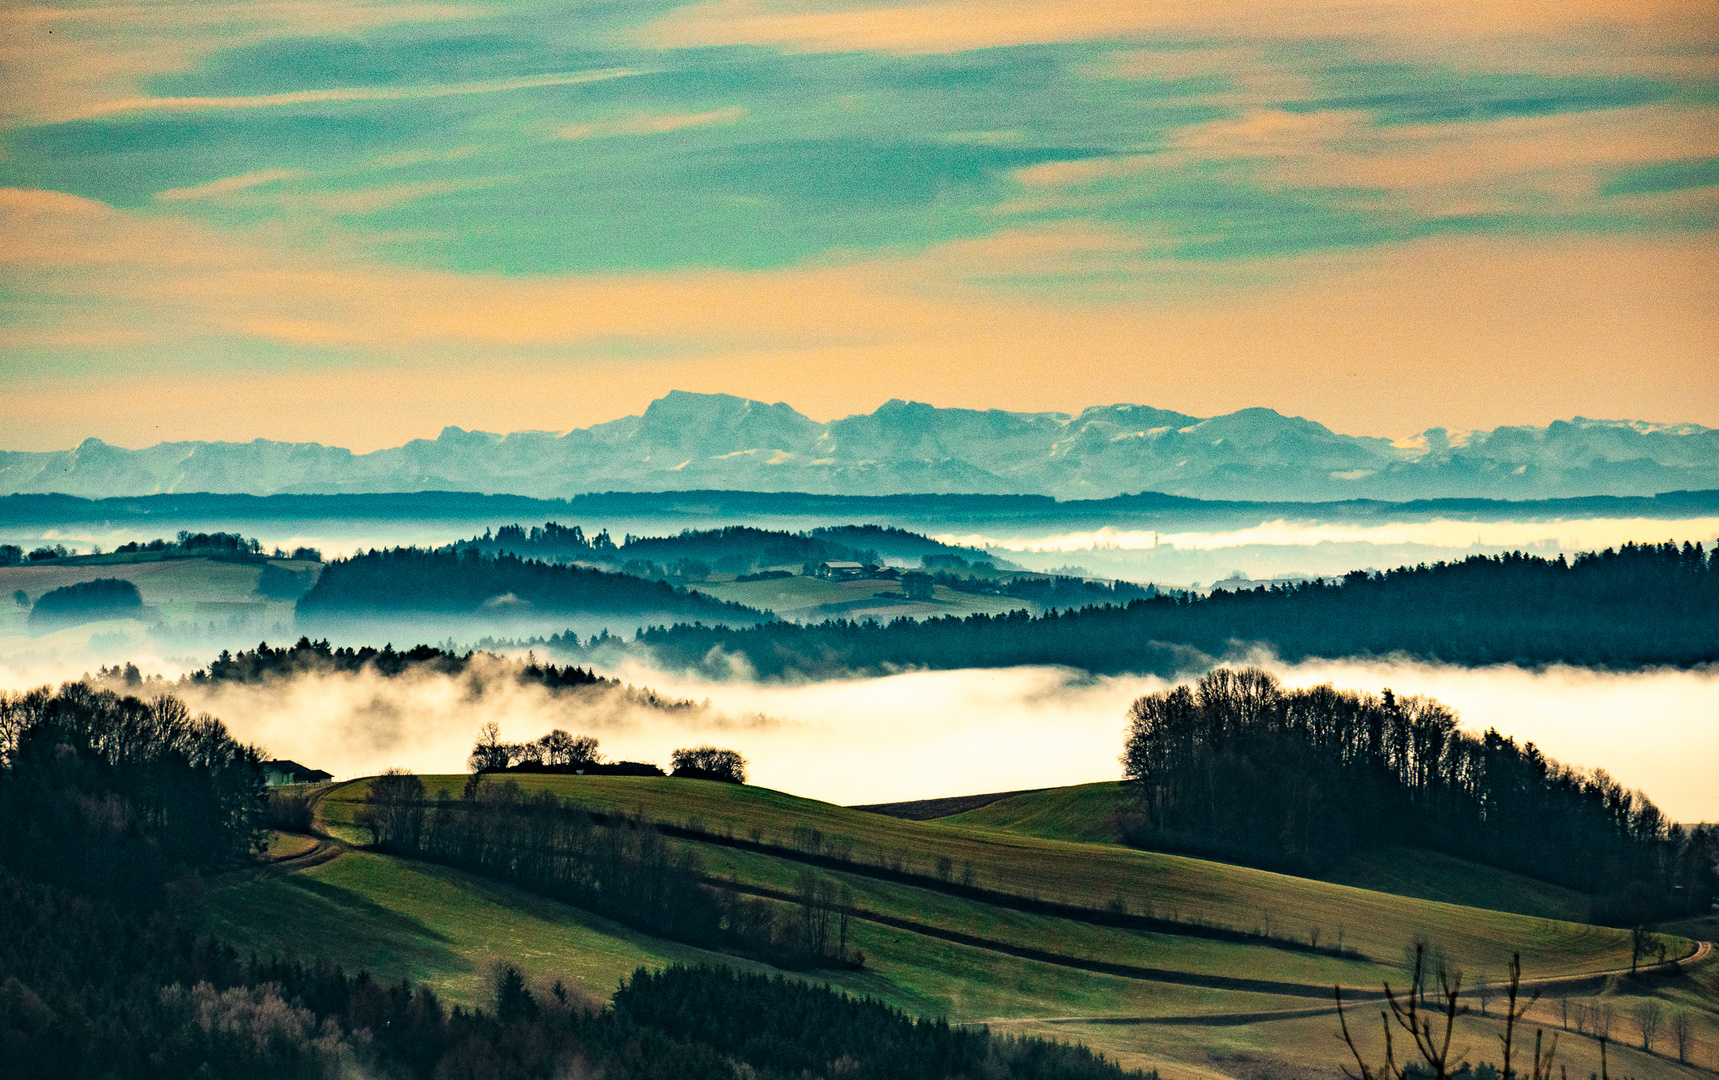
(731, 549)
(1638, 606)
(413, 579)
(320, 658)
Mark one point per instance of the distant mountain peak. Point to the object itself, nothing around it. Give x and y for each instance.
(689, 441)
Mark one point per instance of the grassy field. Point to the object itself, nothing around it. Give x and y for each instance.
(403, 919)
(178, 591)
(1086, 813)
(1090, 875)
(808, 599)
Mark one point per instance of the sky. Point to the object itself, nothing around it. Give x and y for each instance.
(355, 222)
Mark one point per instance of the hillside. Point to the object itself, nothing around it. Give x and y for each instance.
(1638, 606)
(448, 582)
(733, 549)
(697, 441)
(178, 592)
(1087, 814)
(1014, 949)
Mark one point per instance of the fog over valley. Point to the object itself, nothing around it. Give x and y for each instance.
(922, 735)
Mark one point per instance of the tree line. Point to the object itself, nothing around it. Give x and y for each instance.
(118, 796)
(414, 579)
(618, 866)
(307, 657)
(1642, 604)
(1240, 767)
(732, 549)
(560, 752)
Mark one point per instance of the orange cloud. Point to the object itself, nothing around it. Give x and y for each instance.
(342, 94)
(1435, 169)
(1467, 332)
(938, 26)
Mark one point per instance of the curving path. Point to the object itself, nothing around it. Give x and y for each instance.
(1573, 983)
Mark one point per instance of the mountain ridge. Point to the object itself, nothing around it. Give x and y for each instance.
(687, 441)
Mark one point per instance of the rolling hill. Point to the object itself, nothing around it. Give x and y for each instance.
(1009, 915)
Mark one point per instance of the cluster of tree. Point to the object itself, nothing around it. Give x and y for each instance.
(555, 752)
(783, 1028)
(89, 990)
(13, 555)
(553, 541)
(1240, 767)
(85, 601)
(413, 579)
(708, 763)
(218, 543)
(308, 657)
(1051, 591)
(620, 867)
(560, 752)
(693, 553)
(118, 796)
(1640, 605)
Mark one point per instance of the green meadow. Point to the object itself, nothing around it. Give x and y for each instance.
(937, 952)
(175, 591)
(1086, 874)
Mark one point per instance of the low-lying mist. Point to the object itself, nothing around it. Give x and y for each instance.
(928, 734)
(1328, 549)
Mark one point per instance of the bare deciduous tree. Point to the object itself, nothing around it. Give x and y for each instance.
(1433, 1045)
(1649, 1014)
(393, 811)
(489, 752)
(1601, 1017)
(1406, 1014)
(1682, 1034)
(1515, 1009)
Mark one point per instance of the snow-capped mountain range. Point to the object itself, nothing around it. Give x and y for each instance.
(686, 441)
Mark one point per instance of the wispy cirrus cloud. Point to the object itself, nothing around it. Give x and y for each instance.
(345, 94)
(649, 123)
(61, 58)
(939, 26)
(1469, 322)
(1539, 164)
(228, 185)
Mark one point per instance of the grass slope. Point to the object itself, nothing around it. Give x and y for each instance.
(1086, 813)
(1090, 875)
(403, 919)
(180, 590)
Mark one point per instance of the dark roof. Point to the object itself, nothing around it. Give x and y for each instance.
(300, 773)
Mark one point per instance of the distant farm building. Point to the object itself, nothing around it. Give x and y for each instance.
(276, 773)
(837, 570)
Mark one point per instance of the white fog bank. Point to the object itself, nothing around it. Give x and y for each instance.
(929, 734)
